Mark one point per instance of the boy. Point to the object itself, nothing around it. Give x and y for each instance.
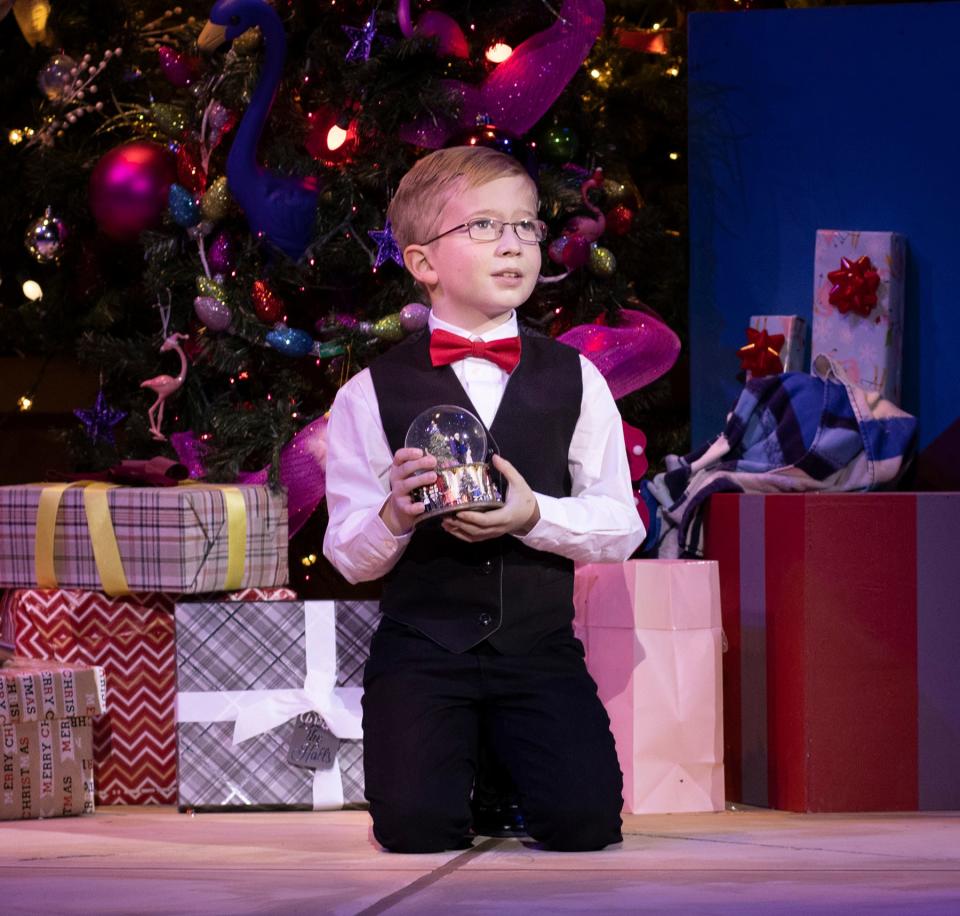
(477, 611)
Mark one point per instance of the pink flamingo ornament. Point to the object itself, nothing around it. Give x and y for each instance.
(165, 385)
(450, 38)
(572, 248)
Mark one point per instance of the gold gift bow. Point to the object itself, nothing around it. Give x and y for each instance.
(103, 539)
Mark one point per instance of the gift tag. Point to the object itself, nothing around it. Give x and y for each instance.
(313, 745)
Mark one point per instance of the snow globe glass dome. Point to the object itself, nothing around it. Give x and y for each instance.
(458, 440)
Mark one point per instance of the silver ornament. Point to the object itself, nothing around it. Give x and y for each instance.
(45, 237)
(56, 76)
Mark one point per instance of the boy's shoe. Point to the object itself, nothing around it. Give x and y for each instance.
(499, 820)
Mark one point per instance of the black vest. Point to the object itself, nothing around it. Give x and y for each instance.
(460, 594)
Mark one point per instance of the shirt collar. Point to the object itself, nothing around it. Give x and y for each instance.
(501, 331)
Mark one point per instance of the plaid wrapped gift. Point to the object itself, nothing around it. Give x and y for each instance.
(245, 671)
(134, 744)
(46, 744)
(184, 539)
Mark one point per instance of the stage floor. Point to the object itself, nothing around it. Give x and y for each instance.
(156, 861)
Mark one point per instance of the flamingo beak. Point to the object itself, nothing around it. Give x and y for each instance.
(211, 37)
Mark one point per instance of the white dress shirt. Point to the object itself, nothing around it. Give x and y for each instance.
(598, 522)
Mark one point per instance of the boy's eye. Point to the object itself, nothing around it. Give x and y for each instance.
(525, 225)
(481, 223)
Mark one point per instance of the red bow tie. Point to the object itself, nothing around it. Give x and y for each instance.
(447, 348)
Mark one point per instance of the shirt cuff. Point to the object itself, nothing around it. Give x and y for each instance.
(550, 514)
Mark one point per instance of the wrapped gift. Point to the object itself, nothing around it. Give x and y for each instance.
(793, 353)
(651, 629)
(261, 720)
(46, 740)
(119, 540)
(858, 306)
(841, 683)
(132, 639)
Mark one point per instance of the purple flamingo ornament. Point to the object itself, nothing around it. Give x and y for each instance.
(280, 208)
(165, 385)
(450, 39)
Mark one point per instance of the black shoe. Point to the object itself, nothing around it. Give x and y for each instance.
(499, 820)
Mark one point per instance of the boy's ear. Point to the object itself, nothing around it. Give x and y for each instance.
(417, 261)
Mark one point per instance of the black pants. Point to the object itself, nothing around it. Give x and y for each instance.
(422, 713)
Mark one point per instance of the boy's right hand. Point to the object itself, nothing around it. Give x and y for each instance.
(411, 468)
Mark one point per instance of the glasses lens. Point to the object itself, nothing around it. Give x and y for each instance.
(485, 230)
(530, 230)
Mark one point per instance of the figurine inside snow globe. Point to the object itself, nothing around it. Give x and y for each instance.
(457, 439)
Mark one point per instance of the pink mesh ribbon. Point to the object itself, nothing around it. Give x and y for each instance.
(633, 354)
(520, 91)
(302, 468)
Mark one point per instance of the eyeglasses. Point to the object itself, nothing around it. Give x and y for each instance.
(485, 229)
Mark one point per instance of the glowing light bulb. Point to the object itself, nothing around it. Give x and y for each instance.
(595, 73)
(15, 136)
(498, 52)
(336, 137)
(674, 156)
(32, 290)
(24, 403)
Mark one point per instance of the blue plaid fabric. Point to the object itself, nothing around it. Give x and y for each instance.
(786, 433)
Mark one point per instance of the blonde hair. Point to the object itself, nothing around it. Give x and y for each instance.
(415, 210)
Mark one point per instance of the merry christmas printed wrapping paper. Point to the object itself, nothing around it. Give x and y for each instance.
(132, 639)
(858, 306)
(46, 742)
(246, 672)
(184, 539)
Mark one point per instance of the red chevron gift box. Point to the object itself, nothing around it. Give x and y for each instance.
(46, 744)
(132, 638)
(841, 683)
(118, 540)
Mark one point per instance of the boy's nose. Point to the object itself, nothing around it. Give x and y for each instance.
(509, 241)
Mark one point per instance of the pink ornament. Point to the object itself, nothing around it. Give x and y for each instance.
(129, 188)
(179, 69)
(165, 385)
(413, 316)
(222, 255)
(215, 314)
(450, 38)
(576, 252)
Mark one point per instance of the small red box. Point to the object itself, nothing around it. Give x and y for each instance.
(841, 683)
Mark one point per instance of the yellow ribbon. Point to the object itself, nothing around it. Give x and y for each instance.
(103, 539)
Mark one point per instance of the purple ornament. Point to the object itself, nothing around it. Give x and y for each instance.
(100, 420)
(215, 314)
(413, 316)
(387, 247)
(129, 187)
(222, 254)
(555, 248)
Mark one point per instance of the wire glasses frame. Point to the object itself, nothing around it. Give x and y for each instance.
(486, 229)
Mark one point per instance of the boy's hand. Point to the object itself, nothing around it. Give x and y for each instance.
(519, 514)
(411, 468)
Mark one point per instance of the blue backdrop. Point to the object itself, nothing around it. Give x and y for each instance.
(830, 118)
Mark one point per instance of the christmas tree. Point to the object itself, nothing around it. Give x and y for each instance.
(204, 227)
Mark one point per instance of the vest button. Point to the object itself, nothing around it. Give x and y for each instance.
(486, 567)
(485, 620)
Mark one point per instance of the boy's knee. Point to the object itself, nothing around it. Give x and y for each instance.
(419, 829)
(569, 827)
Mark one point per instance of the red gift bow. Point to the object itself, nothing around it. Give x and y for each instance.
(854, 286)
(761, 355)
(448, 348)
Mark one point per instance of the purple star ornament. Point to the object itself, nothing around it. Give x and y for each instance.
(387, 247)
(100, 420)
(362, 40)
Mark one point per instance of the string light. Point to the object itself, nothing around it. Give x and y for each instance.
(24, 403)
(32, 290)
(595, 73)
(498, 52)
(674, 156)
(309, 559)
(673, 71)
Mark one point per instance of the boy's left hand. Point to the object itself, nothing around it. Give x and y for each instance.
(519, 514)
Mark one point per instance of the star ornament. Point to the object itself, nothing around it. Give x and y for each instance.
(100, 420)
(387, 247)
(362, 40)
(760, 356)
(855, 286)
